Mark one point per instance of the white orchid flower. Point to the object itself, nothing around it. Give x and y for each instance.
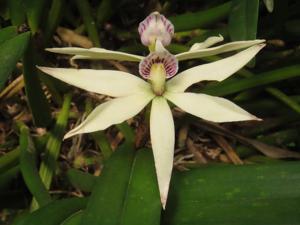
(132, 93)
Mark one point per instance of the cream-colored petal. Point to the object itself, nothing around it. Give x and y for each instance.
(217, 50)
(97, 53)
(208, 107)
(207, 43)
(218, 70)
(162, 138)
(108, 82)
(112, 112)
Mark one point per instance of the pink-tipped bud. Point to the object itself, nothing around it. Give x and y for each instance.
(156, 27)
(168, 61)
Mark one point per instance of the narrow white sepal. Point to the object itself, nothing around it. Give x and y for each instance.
(236, 45)
(207, 43)
(107, 82)
(163, 140)
(112, 112)
(208, 107)
(218, 70)
(97, 53)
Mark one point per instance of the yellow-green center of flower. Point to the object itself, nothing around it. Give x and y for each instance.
(157, 78)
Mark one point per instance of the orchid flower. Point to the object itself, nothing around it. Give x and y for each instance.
(159, 68)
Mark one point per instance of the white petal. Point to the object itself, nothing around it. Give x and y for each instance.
(218, 70)
(162, 139)
(97, 53)
(107, 82)
(217, 50)
(208, 107)
(207, 43)
(112, 112)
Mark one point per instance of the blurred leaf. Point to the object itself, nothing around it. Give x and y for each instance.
(29, 170)
(243, 19)
(55, 212)
(268, 150)
(190, 21)
(36, 98)
(54, 17)
(89, 22)
(16, 12)
(8, 176)
(7, 33)
(127, 184)
(232, 86)
(9, 160)
(269, 5)
(10, 52)
(225, 194)
(52, 150)
(81, 180)
(34, 10)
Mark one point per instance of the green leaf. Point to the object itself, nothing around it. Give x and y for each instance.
(52, 150)
(7, 33)
(10, 52)
(142, 203)
(233, 86)
(81, 180)
(265, 194)
(36, 98)
(16, 12)
(8, 176)
(106, 201)
(55, 212)
(75, 219)
(189, 21)
(9, 160)
(29, 170)
(243, 19)
(126, 192)
(34, 10)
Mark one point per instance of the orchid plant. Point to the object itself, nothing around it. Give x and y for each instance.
(157, 85)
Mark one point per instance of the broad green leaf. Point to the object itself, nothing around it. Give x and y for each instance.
(75, 219)
(243, 19)
(257, 194)
(106, 201)
(10, 52)
(36, 98)
(126, 192)
(16, 12)
(7, 33)
(81, 180)
(142, 202)
(55, 212)
(29, 170)
(34, 10)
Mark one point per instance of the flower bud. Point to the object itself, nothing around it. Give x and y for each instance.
(156, 27)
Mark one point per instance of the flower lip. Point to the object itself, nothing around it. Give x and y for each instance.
(168, 60)
(156, 27)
